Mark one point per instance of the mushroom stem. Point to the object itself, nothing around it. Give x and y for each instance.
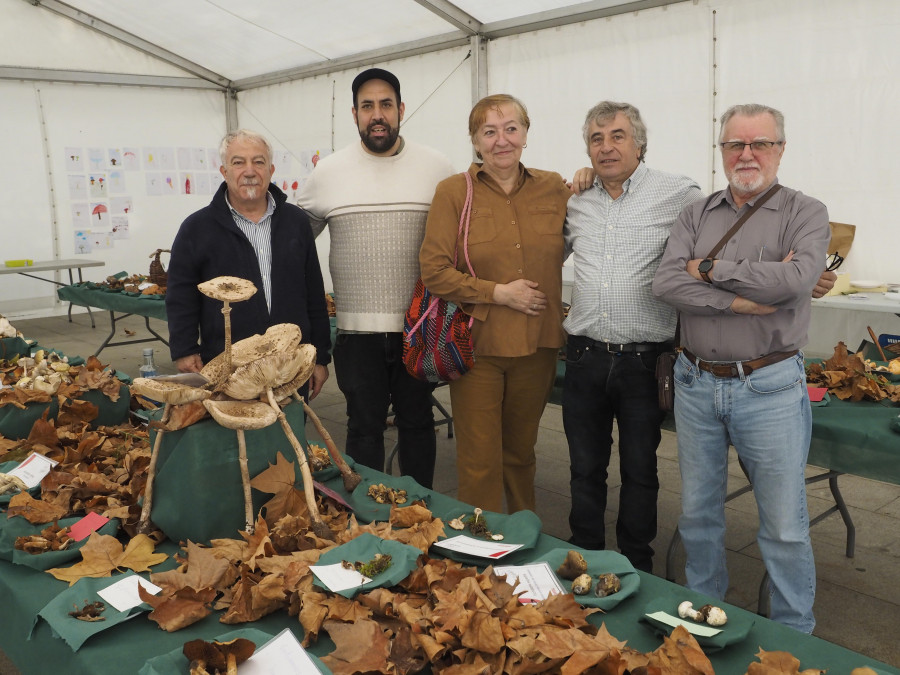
(319, 527)
(226, 312)
(245, 481)
(143, 524)
(351, 477)
(231, 661)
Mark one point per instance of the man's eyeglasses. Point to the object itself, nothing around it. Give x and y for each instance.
(737, 147)
(833, 261)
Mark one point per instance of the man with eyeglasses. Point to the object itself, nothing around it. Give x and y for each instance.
(740, 378)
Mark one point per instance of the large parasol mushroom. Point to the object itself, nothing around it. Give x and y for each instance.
(228, 290)
(241, 415)
(170, 393)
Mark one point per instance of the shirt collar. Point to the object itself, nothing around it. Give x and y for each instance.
(635, 179)
(270, 206)
(726, 196)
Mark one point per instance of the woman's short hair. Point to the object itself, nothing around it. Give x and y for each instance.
(606, 110)
(480, 111)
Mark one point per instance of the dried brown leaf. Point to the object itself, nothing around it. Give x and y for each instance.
(360, 647)
(182, 608)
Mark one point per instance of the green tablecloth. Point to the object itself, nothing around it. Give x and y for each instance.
(88, 294)
(198, 494)
(24, 591)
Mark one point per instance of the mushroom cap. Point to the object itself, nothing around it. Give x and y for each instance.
(244, 415)
(241, 648)
(266, 372)
(282, 337)
(307, 366)
(167, 392)
(228, 289)
(207, 652)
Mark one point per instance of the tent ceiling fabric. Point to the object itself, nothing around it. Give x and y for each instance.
(243, 43)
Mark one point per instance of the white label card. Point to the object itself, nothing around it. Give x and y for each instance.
(339, 578)
(537, 581)
(123, 595)
(695, 628)
(33, 469)
(477, 547)
(283, 655)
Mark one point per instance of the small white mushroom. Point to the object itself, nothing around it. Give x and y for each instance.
(715, 616)
(457, 523)
(497, 537)
(582, 584)
(686, 611)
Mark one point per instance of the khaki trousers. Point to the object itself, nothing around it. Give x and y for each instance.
(497, 408)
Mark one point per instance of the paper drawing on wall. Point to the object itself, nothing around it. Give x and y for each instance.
(130, 160)
(116, 182)
(74, 161)
(96, 159)
(203, 184)
(187, 184)
(101, 240)
(81, 216)
(115, 157)
(99, 216)
(77, 186)
(120, 205)
(83, 242)
(119, 227)
(150, 159)
(213, 161)
(97, 183)
(154, 183)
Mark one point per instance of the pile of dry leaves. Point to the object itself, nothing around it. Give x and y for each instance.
(73, 382)
(102, 470)
(847, 376)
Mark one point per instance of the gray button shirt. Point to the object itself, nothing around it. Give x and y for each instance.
(751, 266)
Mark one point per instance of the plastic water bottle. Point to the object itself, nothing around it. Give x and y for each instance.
(148, 368)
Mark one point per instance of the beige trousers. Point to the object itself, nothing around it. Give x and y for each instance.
(497, 408)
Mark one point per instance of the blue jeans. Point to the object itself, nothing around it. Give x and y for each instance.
(601, 386)
(767, 417)
(372, 377)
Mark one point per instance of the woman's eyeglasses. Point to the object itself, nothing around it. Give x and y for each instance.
(833, 261)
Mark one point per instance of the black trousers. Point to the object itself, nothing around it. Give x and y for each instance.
(371, 375)
(601, 386)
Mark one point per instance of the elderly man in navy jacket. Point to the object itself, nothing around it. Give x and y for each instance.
(249, 230)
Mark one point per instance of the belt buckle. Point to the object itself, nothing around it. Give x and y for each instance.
(609, 348)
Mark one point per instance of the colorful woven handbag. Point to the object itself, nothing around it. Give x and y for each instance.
(437, 338)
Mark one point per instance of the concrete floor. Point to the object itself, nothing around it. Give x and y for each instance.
(858, 599)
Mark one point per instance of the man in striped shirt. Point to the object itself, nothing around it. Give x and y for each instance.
(617, 231)
(249, 230)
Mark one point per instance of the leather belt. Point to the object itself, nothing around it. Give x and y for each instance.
(735, 368)
(624, 348)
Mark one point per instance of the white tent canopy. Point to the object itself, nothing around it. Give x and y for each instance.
(89, 78)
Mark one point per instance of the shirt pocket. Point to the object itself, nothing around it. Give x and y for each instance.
(546, 218)
(482, 227)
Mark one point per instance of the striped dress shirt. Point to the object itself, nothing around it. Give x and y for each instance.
(617, 246)
(260, 237)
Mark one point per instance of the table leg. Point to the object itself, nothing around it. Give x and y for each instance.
(112, 333)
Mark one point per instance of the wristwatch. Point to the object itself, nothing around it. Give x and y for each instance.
(705, 267)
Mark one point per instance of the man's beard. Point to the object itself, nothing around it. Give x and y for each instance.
(744, 186)
(383, 144)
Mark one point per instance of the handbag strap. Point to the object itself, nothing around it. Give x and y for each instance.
(464, 217)
(743, 219)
